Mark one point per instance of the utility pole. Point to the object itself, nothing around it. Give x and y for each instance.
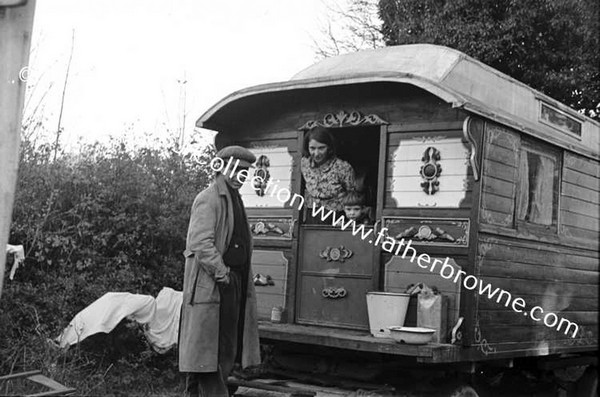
(16, 24)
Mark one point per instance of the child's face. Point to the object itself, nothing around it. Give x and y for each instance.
(353, 211)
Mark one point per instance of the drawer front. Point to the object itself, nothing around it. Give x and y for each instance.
(336, 252)
(335, 301)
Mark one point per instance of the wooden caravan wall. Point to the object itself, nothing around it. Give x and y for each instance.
(274, 120)
(554, 268)
(580, 198)
(408, 208)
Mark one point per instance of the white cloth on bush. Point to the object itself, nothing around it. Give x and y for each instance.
(160, 317)
(163, 330)
(19, 255)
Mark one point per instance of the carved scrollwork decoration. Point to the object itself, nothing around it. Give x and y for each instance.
(343, 119)
(262, 171)
(425, 233)
(263, 228)
(339, 254)
(334, 293)
(469, 124)
(456, 333)
(430, 170)
(482, 343)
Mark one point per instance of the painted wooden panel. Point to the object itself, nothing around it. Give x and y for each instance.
(498, 187)
(504, 205)
(267, 227)
(401, 272)
(580, 198)
(323, 305)
(538, 254)
(560, 280)
(501, 136)
(498, 170)
(421, 200)
(429, 231)
(408, 152)
(280, 173)
(413, 147)
(412, 167)
(500, 161)
(501, 155)
(274, 264)
(448, 183)
(354, 255)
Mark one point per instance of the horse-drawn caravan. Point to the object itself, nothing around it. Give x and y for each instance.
(460, 162)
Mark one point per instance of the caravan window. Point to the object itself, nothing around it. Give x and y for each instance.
(538, 185)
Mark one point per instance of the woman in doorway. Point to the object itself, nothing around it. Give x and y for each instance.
(327, 178)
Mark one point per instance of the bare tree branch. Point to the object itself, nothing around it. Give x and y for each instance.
(62, 101)
(350, 27)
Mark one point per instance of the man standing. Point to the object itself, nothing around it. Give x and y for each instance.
(218, 316)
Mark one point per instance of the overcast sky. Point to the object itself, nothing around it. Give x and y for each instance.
(129, 55)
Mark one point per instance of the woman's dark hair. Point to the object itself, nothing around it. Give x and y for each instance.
(321, 135)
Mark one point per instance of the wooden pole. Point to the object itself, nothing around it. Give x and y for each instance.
(16, 24)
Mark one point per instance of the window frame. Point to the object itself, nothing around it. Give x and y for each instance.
(557, 127)
(542, 149)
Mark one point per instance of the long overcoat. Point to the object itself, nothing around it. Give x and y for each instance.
(209, 234)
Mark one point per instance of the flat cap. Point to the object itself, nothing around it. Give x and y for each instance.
(242, 154)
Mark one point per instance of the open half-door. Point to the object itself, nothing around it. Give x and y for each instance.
(336, 266)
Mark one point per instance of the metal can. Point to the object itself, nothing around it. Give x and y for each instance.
(276, 314)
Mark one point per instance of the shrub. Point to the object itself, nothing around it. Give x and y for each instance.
(107, 219)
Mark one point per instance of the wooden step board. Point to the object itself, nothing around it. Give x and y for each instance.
(56, 389)
(271, 386)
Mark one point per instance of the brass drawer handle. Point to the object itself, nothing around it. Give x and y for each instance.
(334, 293)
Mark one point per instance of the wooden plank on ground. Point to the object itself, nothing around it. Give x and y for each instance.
(19, 375)
(254, 384)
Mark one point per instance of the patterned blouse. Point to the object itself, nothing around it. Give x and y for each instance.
(328, 183)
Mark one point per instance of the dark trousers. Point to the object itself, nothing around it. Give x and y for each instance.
(214, 384)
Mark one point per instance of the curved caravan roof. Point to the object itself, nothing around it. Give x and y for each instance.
(450, 75)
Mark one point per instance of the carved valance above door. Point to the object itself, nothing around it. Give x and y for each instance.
(344, 119)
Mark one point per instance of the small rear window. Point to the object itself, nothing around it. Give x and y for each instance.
(559, 120)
